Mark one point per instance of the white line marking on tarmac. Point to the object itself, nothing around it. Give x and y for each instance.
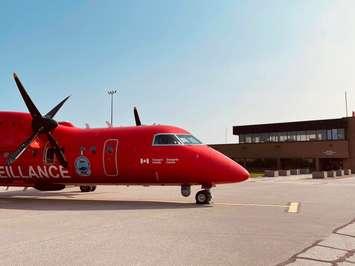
(293, 207)
(252, 205)
(226, 204)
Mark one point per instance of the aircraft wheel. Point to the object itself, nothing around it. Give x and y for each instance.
(85, 188)
(203, 197)
(92, 188)
(186, 190)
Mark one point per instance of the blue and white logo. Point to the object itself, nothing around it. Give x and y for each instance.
(82, 166)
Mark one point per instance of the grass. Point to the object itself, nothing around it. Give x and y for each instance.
(256, 174)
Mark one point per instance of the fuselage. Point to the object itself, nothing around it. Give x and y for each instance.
(145, 155)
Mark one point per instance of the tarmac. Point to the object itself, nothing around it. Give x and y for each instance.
(264, 221)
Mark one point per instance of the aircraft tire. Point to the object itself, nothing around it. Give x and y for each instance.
(92, 188)
(203, 197)
(185, 190)
(85, 188)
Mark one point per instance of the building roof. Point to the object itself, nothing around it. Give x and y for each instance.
(291, 126)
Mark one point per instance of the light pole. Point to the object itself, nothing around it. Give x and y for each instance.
(346, 103)
(111, 93)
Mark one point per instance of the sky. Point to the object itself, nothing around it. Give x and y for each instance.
(201, 65)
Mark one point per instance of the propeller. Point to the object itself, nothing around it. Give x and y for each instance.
(40, 125)
(136, 117)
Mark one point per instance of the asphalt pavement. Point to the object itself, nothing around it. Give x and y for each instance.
(264, 221)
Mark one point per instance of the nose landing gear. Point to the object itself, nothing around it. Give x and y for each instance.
(203, 197)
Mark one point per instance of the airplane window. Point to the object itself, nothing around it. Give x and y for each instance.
(109, 149)
(93, 149)
(167, 139)
(189, 140)
(50, 155)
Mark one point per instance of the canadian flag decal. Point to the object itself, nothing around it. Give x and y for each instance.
(144, 161)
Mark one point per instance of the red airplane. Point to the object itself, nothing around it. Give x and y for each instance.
(53, 155)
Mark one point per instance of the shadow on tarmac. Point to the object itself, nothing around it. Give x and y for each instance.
(35, 200)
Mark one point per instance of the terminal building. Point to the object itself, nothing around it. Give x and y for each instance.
(319, 145)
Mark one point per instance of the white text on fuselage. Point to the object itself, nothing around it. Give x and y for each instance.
(158, 161)
(51, 171)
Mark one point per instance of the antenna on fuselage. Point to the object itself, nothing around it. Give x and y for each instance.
(136, 117)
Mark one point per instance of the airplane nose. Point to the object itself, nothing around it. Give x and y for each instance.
(243, 173)
(226, 170)
(230, 172)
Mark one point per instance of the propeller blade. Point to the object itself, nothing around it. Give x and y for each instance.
(53, 112)
(40, 125)
(136, 117)
(30, 105)
(13, 156)
(58, 151)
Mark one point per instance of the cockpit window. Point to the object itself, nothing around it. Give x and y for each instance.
(189, 140)
(166, 139)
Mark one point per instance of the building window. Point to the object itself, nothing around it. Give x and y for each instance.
(310, 135)
(247, 138)
(256, 138)
(274, 137)
(264, 138)
(341, 133)
(301, 136)
(292, 136)
(334, 134)
(329, 134)
(322, 134)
